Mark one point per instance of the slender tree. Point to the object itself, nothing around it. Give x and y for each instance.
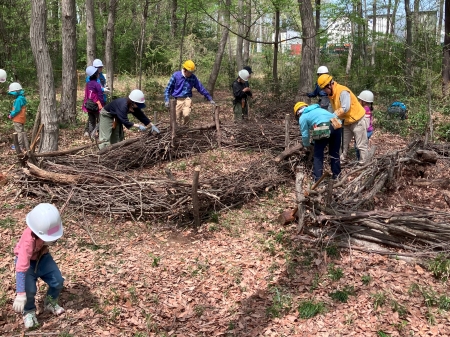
(308, 48)
(409, 43)
(142, 39)
(68, 107)
(239, 39)
(276, 84)
(446, 52)
(39, 46)
(91, 50)
(109, 47)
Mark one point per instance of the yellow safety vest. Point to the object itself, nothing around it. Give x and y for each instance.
(356, 111)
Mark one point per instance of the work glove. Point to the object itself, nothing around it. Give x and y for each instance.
(19, 302)
(9, 116)
(166, 104)
(212, 102)
(142, 128)
(310, 95)
(106, 90)
(155, 129)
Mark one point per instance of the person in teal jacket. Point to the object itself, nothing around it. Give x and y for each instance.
(316, 121)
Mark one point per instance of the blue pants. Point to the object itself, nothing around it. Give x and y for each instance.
(334, 145)
(49, 272)
(369, 133)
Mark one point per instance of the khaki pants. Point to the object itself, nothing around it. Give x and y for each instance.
(183, 110)
(18, 127)
(107, 134)
(359, 131)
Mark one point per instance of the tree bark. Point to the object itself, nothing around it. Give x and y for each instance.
(441, 16)
(39, 46)
(141, 40)
(220, 51)
(317, 55)
(68, 108)
(248, 23)
(109, 45)
(388, 17)
(173, 19)
(276, 84)
(308, 47)
(239, 39)
(90, 32)
(446, 52)
(394, 14)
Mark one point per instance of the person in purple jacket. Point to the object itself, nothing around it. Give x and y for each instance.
(93, 100)
(180, 87)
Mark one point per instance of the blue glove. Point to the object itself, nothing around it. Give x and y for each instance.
(310, 95)
(142, 128)
(155, 129)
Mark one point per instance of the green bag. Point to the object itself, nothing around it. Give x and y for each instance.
(321, 131)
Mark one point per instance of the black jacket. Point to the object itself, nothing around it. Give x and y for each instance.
(237, 91)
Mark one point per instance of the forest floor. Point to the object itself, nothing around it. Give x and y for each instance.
(240, 274)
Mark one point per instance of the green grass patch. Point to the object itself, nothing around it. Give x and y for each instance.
(308, 309)
(335, 274)
(342, 295)
(281, 302)
(440, 267)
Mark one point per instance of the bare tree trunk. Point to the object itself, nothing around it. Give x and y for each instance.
(109, 45)
(361, 33)
(446, 52)
(374, 35)
(350, 52)
(182, 36)
(54, 33)
(221, 50)
(141, 40)
(276, 84)
(415, 18)
(239, 39)
(68, 108)
(308, 47)
(441, 16)
(39, 46)
(394, 15)
(408, 52)
(248, 22)
(90, 32)
(173, 19)
(388, 17)
(317, 55)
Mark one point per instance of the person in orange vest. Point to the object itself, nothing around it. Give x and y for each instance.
(18, 112)
(346, 107)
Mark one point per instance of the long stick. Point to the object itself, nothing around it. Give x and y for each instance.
(218, 132)
(195, 201)
(286, 131)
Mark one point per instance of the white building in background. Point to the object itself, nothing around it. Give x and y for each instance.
(339, 32)
(290, 41)
(380, 24)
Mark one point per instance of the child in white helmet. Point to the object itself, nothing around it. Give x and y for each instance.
(34, 261)
(366, 100)
(18, 114)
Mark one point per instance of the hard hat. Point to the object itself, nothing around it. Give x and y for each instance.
(14, 86)
(249, 69)
(366, 96)
(244, 74)
(97, 63)
(137, 97)
(2, 76)
(189, 66)
(91, 70)
(45, 221)
(322, 70)
(324, 80)
(299, 105)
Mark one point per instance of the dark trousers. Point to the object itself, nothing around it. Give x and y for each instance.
(334, 144)
(92, 122)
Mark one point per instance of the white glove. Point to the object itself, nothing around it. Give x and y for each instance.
(142, 128)
(19, 302)
(155, 129)
(106, 90)
(212, 102)
(166, 104)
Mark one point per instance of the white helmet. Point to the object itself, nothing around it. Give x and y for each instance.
(14, 86)
(322, 70)
(91, 70)
(45, 221)
(2, 76)
(244, 74)
(97, 63)
(137, 96)
(366, 96)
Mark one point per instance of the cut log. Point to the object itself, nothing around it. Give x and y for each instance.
(427, 156)
(288, 152)
(287, 216)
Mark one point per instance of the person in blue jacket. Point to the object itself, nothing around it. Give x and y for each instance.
(324, 100)
(315, 121)
(180, 87)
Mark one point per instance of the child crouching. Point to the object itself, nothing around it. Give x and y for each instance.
(34, 261)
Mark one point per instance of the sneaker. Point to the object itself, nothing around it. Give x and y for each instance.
(54, 308)
(30, 320)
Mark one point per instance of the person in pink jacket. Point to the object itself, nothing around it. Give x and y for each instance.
(34, 261)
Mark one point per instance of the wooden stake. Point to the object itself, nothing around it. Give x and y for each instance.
(173, 118)
(299, 176)
(216, 119)
(27, 147)
(36, 138)
(287, 122)
(195, 201)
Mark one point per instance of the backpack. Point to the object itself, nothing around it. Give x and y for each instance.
(397, 110)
